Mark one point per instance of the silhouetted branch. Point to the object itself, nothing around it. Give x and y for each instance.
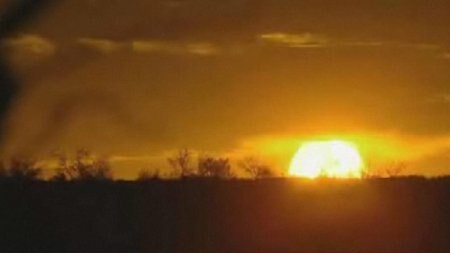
(83, 166)
(214, 167)
(255, 168)
(181, 163)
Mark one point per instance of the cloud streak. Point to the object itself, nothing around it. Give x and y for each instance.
(443, 98)
(107, 46)
(101, 45)
(314, 40)
(30, 43)
(302, 40)
(153, 46)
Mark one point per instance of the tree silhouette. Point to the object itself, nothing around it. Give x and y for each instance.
(181, 163)
(255, 168)
(214, 167)
(83, 166)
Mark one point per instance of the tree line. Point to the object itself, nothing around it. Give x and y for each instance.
(85, 166)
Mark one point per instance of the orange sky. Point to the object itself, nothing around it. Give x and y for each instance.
(136, 80)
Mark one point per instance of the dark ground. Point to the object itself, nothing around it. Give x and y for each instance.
(277, 215)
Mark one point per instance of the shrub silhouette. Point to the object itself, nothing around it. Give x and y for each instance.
(256, 169)
(21, 169)
(395, 169)
(146, 175)
(214, 167)
(392, 170)
(84, 166)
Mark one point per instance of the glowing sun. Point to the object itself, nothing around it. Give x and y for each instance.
(334, 159)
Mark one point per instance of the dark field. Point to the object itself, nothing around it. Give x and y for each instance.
(276, 215)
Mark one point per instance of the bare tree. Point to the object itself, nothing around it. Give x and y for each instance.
(214, 167)
(181, 163)
(255, 168)
(83, 166)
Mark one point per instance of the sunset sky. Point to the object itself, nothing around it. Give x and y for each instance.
(139, 79)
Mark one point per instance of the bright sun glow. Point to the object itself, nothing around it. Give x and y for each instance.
(334, 159)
